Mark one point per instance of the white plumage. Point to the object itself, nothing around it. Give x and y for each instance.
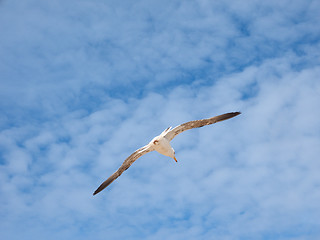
(161, 144)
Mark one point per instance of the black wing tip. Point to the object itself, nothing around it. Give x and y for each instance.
(104, 184)
(226, 116)
(95, 192)
(230, 114)
(99, 189)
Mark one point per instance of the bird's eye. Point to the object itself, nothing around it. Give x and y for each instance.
(155, 142)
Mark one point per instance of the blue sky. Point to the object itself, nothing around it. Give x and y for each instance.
(85, 83)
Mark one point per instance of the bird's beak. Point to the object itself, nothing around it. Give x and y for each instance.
(175, 158)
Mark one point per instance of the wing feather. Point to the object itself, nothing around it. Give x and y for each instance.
(198, 123)
(125, 165)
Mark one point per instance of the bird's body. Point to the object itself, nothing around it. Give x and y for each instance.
(161, 144)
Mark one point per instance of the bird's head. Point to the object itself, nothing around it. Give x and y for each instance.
(172, 154)
(162, 146)
(174, 157)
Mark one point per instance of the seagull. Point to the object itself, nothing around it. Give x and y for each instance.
(161, 144)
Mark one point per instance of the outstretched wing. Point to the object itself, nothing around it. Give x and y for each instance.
(125, 165)
(198, 123)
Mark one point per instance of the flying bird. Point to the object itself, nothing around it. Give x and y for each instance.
(161, 144)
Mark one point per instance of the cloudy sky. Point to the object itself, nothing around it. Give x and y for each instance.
(85, 83)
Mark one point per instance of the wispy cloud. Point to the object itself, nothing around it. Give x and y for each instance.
(84, 84)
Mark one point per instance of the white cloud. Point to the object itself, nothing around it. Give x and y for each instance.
(86, 85)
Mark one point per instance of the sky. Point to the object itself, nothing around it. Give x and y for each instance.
(84, 83)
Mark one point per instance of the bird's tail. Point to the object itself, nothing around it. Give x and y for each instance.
(165, 131)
